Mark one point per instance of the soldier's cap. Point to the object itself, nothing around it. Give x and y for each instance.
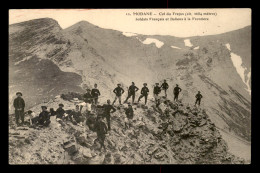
(157, 83)
(44, 107)
(119, 84)
(29, 112)
(19, 93)
(198, 91)
(61, 105)
(88, 89)
(145, 84)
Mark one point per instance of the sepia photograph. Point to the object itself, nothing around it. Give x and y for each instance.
(129, 86)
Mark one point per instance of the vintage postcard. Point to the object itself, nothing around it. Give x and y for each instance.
(130, 86)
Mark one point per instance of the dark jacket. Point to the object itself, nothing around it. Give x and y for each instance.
(87, 98)
(198, 96)
(156, 90)
(95, 92)
(60, 112)
(100, 128)
(129, 113)
(177, 90)
(144, 91)
(43, 116)
(118, 91)
(19, 103)
(132, 89)
(165, 86)
(107, 110)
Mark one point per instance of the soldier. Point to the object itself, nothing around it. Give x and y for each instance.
(44, 117)
(118, 91)
(156, 92)
(176, 92)
(60, 111)
(131, 92)
(32, 117)
(88, 100)
(198, 98)
(129, 116)
(164, 87)
(101, 129)
(95, 93)
(107, 110)
(144, 93)
(76, 116)
(19, 108)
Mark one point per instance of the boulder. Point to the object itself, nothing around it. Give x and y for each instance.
(159, 155)
(70, 148)
(86, 152)
(107, 159)
(117, 158)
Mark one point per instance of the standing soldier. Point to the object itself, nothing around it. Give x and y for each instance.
(156, 91)
(131, 92)
(19, 108)
(101, 129)
(198, 98)
(164, 87)
(95, 93)
(129, 116)
(107, 110)
(144, 93)
(118, 91)
(176, 92)
(88, 100)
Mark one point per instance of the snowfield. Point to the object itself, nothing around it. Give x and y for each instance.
(158, 43)
(237, 62)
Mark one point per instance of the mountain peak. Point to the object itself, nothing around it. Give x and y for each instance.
(38, 22)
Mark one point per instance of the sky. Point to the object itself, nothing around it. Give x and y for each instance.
(223, 21)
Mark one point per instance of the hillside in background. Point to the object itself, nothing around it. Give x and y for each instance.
(45, 61)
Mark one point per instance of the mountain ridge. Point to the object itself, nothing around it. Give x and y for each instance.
(108, 57)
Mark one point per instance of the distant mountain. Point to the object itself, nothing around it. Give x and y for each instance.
(84, 54)
(31, 71)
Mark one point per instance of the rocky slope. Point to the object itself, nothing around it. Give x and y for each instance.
(45, 60)
(171, 134)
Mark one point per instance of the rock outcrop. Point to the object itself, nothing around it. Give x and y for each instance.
(172, 133)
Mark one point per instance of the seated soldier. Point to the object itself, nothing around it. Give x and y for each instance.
(44, 117)
(60, 112)
(52, 112)
(33, 119)
(75, 115)
(90, 122)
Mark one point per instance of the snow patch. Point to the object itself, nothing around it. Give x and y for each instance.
(129, 34)
(152, 40)
(24, 59)
(197, 47)
(175, 47)
(187, 43)
(228, 46)
(237, 62)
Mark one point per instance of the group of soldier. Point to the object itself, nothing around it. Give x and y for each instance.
(91, 98)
